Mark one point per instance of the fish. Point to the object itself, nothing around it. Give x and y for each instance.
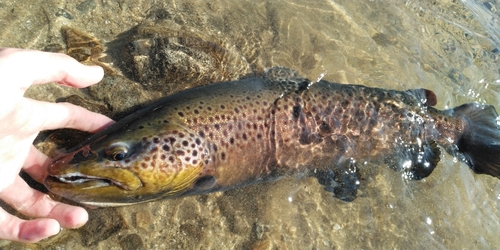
(236, 133)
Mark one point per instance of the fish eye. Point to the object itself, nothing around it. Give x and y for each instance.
(117, 152)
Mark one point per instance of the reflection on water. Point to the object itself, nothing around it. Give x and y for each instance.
(449, 47)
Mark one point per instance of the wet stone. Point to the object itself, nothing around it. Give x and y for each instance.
(382, 39)
(192, 230)
(64, 13)
(86, 6)
(106, 222)
(132, 241)
(261, 245)
(80, 101)
(143, 220)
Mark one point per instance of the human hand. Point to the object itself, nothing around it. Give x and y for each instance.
(20, 121)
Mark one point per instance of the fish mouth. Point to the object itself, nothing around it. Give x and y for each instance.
(91, 178)
(95, 190)
(87, 181)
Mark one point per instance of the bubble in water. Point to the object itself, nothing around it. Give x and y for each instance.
(428, 221)
(29, 25)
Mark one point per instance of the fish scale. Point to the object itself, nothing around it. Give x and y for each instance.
(232, 134)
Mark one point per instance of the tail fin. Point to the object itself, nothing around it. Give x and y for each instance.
(480, 141)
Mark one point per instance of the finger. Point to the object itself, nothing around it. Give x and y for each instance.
(46, 116)
(36, 204)
(15, 229)
(36, 164)
(44, 67)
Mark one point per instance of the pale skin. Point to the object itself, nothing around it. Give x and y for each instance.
(21, 119)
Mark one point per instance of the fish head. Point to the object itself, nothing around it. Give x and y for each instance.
(132, 166)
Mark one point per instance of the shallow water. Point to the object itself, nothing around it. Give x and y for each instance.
(450, 47)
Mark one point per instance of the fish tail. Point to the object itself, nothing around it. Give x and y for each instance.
(480, 140)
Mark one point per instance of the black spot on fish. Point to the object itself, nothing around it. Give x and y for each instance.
(324, 128)
(303, 85)
(345, 103)
(296, 111)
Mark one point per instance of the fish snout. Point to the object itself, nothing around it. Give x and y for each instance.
(66, 162)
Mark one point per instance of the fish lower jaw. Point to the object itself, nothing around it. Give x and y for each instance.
(85, 181)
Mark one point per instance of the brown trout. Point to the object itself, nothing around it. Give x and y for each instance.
(231, 134)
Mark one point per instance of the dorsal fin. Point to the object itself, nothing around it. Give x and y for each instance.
(289, 79)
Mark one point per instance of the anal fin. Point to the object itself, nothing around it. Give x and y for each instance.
(343, 181)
